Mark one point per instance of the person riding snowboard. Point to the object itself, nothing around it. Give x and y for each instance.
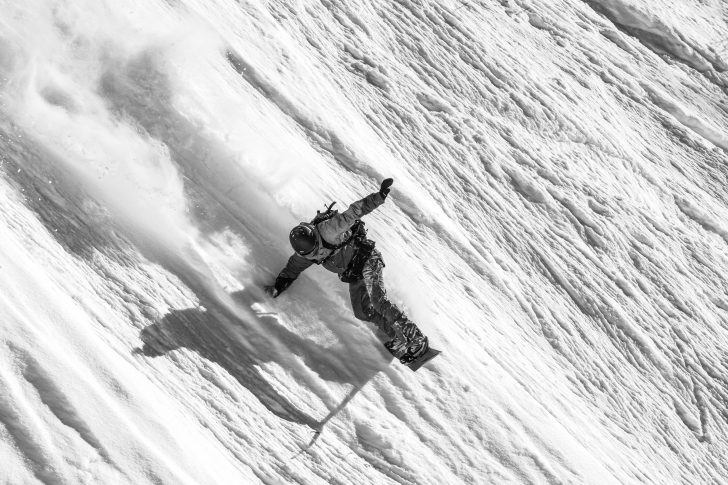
(338, 242)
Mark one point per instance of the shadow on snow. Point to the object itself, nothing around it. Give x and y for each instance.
(218, 335)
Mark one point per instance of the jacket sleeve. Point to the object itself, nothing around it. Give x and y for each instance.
(341, 223)
(296, 265)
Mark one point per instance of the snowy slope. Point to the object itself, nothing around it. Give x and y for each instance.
(557, 228)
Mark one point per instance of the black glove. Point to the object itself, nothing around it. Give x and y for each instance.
(384, 188)
(271, 291)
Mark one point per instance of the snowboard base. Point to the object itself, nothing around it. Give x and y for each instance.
(426, 357)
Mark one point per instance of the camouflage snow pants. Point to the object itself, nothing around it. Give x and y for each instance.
(369, 299)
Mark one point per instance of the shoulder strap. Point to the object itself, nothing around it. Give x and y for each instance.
(357, 229)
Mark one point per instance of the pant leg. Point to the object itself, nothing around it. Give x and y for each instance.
(363, 310)
(397, 332)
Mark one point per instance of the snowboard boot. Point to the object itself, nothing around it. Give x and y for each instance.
(417, 347)
(424, 358)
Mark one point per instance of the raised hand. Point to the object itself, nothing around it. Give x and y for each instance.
(384, 188)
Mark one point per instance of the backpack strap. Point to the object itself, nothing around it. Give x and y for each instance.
(357, 229)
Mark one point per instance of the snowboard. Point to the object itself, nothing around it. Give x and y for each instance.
(424, 359)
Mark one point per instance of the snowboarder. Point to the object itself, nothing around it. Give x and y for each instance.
(338, 242)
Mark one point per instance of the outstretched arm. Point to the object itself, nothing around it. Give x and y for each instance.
(296, 265)
(342, 222)
(329, 229)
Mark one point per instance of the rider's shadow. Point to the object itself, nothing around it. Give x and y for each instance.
(239, 347)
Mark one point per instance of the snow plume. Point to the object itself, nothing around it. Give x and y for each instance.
(100, 96)
(55, 91)
(105, 102)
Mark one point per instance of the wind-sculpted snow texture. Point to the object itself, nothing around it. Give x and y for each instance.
(557, 227)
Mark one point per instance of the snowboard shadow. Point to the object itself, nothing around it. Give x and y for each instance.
(240, 347)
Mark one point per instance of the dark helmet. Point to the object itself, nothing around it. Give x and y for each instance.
(302, 239)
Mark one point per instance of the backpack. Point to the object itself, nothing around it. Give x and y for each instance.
(325, 216)
(358, 232)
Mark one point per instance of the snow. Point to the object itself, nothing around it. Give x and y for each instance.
(555, 227)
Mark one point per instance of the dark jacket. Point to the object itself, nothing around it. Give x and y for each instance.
(334, 231)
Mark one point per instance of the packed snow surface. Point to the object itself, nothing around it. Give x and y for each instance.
(558, 227)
